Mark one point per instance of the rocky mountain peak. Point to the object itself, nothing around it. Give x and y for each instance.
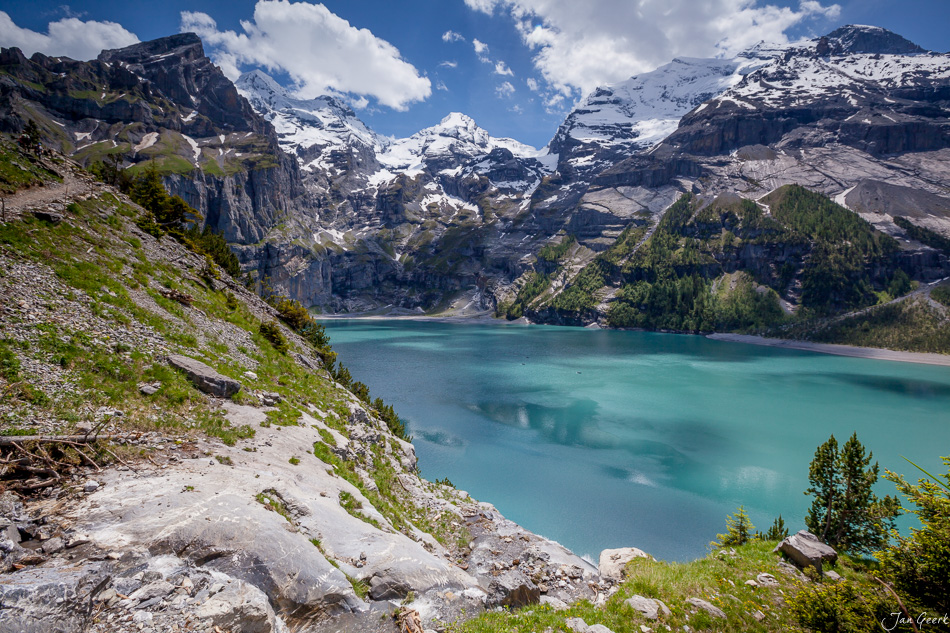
(857, 38)
(258, 86)
(185, 47)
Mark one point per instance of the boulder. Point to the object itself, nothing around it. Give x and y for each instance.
(239, 608)
(50, 599)
(204, 377)
(712, 610)
(804, 549)
(513, 589)
(613, 561)
(48, 216)
(766, 580)
(649, 607)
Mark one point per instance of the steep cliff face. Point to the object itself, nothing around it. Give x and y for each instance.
(839, 116)
(393, 222)
(160, 103)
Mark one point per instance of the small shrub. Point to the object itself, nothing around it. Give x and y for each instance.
(738, 530)
(839, 607)
(349, 502)
(224, 459)
(294, 460)
(9, 363)
(271, 331)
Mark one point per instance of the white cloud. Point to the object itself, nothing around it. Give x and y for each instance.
(452, 36)
(449, 64)
(320, 51)
(481, 49)
(532, 84)
(69, 37)
(505, 90)
(441, 86)
(487, 6)
(501, 68)
(517, 109)
(580, 45)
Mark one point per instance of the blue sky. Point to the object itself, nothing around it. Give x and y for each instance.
(515, 66)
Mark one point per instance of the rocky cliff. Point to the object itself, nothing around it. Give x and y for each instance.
(163, 104)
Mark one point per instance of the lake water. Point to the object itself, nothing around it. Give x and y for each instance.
(602, 439)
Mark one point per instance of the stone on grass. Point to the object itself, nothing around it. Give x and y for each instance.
(554, 603)
(148, 389)
(712, 610)
(766, 580)
(613, 561)
(204, 377)
(649, 607)
(48, 216)
(804, 549)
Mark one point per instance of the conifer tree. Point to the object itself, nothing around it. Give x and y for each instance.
(845, 512)
(738, 530)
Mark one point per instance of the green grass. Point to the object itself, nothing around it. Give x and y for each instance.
(269, 500)
(19, 169)
(717, 578)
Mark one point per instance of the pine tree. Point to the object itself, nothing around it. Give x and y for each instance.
(738, 530)
(846, 513)
(776, 532)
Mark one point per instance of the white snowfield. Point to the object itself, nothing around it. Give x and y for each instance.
(646, 108)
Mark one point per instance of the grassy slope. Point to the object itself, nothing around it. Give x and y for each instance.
(92, 324)
(720, 579)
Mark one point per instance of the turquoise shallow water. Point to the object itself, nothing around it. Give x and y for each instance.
(610, 439)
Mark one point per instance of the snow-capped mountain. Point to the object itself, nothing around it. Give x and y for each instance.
(633, 115)
(847, 87)
(311, 129)
(456, 140)
(455, 207)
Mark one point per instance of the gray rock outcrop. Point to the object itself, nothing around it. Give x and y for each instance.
(613, 562)
(804, 549)
(54, 599)
(204, 377)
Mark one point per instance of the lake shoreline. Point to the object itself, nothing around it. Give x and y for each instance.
(871, 353)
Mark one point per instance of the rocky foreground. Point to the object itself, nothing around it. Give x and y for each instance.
(167, 468)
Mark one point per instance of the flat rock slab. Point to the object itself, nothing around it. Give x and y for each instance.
(49, 599)
(204, 377)
(804, 549)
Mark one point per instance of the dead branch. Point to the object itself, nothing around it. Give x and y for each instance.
(14, 440)
(899, 602)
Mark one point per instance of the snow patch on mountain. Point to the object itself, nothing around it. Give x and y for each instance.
(323, 123)
(645, 109)
(457, 137)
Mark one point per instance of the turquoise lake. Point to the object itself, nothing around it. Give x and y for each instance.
(602, 439)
